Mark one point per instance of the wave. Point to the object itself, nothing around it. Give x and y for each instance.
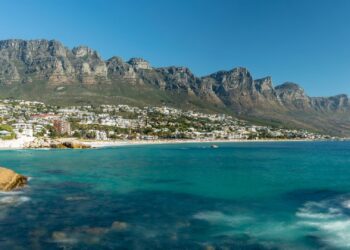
(217, 217)
(13, 200)
(10, 193)
(260, 231)
(346, 204)
(330, 218)
(318, 210)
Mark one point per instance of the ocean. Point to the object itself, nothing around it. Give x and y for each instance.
(256, 195)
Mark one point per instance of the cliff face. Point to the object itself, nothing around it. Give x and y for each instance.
(237, 89)
(24, 63)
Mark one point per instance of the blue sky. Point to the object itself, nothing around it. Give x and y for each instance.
(304, 41)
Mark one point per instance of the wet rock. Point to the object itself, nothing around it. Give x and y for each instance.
(209, 247)
(10, 180)
(75, 144)
(119, 226)
(84, 234)
(57, 145)
(183, 224)
(94, 230)
(69, 144)
(76, 198)
(62, 237)
(35, 237)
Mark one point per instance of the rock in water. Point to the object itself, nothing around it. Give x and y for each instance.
(75, 144)
(119, 226)
(10, 180)
(69, 144)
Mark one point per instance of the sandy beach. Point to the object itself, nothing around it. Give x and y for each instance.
(22, 143)
(100, 144)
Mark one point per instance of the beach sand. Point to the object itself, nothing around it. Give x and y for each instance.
(21, 143)
(100, 144)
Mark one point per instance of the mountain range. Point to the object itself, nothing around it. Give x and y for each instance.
(46, 70)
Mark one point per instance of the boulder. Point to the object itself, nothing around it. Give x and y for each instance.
(57, 145)
(75, 144)
(119, 226)
(10, 180)
(69, 144)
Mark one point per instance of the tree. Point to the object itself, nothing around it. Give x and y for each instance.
(8, 128)
(52, 132)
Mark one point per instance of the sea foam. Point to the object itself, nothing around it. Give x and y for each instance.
(217, 217)
(13, 200)
(330, 218)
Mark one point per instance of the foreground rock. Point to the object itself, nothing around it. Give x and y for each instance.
(10, 180)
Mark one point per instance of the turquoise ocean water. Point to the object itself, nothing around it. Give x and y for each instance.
(278, 195)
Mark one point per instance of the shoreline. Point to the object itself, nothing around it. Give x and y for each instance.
(104, 144)
(21, 143)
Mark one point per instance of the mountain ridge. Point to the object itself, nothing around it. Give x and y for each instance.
(26, 63)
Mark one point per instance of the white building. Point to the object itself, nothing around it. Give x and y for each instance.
(23, 129)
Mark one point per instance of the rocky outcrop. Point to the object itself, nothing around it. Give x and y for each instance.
(139, 63)
(38, 143)
(10, 180)
(56, 143)
(73, 144)
(91, 235)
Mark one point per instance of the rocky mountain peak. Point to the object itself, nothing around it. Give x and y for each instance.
(289, 87)
(50, 62)
(263, 84)
(235, 73)
(340, 101)
(265, 88)
(85, 52)
(341, 96)
(117, 68)
(115, 59)
(240, 71)
(139, 63)
(176, 70)
(238, 79)
(26, 50)
(26, 61)
(178, 78)
(292, 95)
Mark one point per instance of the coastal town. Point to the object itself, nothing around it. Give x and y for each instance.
(30, 122)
